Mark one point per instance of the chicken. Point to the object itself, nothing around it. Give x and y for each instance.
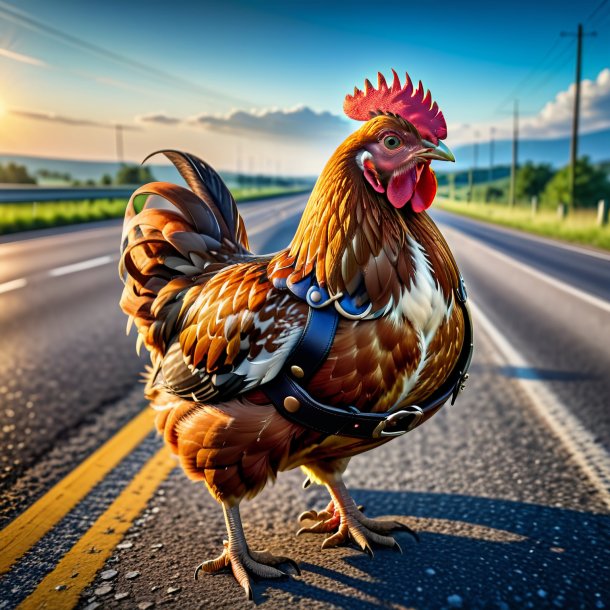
(355, 333)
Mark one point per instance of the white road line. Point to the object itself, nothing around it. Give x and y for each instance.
(248, 208)
(263, 226)
(251, 216)
(591, 457)
(88, 264)
(13, 285)
(537, 238)
(108, 258)
(576, 292)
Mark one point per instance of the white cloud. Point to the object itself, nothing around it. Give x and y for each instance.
(51, 117)
(301, 122)
(555, 118)
(158, 118)
(20, 57)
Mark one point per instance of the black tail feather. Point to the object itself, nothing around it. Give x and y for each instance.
(205, 182)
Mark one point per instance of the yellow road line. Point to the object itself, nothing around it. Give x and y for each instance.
(88, 555)
(27, 529)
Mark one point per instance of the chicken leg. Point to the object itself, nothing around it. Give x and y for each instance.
(345, 521)
(243, 561)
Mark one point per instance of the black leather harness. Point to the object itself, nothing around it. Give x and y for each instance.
(287, 390)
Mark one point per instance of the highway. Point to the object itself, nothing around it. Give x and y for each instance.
(26, 194)
(509, 489)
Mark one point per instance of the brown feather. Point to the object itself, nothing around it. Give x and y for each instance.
(234, 308)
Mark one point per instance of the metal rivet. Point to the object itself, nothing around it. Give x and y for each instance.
(315, 296)
(297, 371)
(291, 404)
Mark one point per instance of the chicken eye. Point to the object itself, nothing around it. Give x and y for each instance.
(391, 142)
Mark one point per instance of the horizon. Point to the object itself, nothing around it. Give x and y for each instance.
(254, 110)
(530, 153)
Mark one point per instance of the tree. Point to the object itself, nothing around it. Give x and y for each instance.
(106, 180)
(54, 175)
(493, 193)
(134, 174)
(16, 174)
(591, 185)
(532, 179)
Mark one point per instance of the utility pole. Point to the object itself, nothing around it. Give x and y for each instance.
(513, 167)
(576, 115)
(475, 159)
(491, 154)
(119, 143)
(475, 152)
(575, 119)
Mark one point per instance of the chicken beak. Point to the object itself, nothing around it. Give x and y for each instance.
(432, 151)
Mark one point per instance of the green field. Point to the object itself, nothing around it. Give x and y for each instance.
(459, 192)
(15, 217)
(578, 227)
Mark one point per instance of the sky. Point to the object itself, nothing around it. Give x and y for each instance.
(258, 86)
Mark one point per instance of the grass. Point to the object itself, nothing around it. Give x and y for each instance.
(459, 192)
(15, 217)
(578, 227)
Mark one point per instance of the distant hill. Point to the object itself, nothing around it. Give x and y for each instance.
(556, 151)
(94, 170)
(82, 170)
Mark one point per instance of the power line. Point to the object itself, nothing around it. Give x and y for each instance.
(596, 9)
(552, 58)
(519, 87)
(603, 21)
(20, 17)
(550, 73)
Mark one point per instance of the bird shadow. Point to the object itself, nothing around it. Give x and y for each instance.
(473, 553)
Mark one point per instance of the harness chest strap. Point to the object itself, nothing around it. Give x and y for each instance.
(286, 391)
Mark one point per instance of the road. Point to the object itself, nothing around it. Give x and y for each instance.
(27, 194)
(509, 489)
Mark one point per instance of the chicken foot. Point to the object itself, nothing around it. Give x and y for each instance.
(347, 523)
(242, 561)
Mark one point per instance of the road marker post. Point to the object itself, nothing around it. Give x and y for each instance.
(603, 209)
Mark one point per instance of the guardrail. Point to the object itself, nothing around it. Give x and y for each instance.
(16, 194)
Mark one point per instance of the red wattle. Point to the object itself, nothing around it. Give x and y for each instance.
(401, 187)
(425, 191)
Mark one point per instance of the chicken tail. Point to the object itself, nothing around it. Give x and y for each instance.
(174, 238)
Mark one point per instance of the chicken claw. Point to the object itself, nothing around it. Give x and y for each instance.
(242, 561)
(316, 516)
(347, 524)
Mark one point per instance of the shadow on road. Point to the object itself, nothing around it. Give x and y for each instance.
(530, 372)
(474, 553)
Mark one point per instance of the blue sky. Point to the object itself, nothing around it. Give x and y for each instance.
(203, 60)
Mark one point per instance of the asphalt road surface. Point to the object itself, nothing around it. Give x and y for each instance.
(509, 489)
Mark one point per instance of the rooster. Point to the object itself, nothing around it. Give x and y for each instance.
(354, 334)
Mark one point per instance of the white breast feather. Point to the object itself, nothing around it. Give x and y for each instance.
(424, 305)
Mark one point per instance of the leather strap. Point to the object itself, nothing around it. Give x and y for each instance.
(289, 397)
(314, 345)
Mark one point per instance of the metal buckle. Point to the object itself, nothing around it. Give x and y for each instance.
(462, 293)
(459, 387)
(413, 411)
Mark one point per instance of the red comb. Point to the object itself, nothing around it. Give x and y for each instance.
(407, 102)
